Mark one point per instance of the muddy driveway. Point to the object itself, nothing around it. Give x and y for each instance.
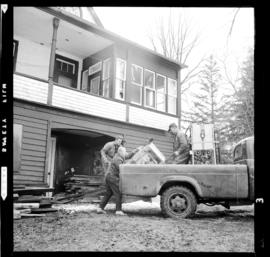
(77, 227)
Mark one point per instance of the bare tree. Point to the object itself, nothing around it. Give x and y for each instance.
(175, 39)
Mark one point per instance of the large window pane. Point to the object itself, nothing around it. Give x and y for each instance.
(120, 69)
(172, 104)
(94, 89)
(172, 87)
(161, 84)
(120, 89)
(106, 69)
(106, 88)
(150, 98)
(135, 94)
(161, 102)
(149, 79)
(136, 74)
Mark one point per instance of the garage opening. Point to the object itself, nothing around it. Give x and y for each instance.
(77, 149)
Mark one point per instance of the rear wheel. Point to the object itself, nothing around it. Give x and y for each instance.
(178, 202)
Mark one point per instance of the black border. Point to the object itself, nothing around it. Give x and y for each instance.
(261, 132)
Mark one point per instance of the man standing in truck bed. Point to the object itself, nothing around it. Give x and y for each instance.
(180, 146)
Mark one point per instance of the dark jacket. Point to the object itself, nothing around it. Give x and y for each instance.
(180, 143)
(117, 160)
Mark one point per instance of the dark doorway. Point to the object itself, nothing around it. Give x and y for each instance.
(78, 149)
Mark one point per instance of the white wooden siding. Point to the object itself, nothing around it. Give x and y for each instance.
(150, 119)
(30, 89)
(84, 103)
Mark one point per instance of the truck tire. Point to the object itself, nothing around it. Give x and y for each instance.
(178, 202)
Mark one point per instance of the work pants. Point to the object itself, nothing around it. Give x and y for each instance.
(112, 188)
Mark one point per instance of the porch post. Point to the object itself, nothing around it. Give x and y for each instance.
(52, 58)
(179, 100)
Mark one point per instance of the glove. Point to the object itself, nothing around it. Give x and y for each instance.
(176, 153)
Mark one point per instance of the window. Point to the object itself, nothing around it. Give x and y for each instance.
(105, 90)
(149, 87)
(238, 152)
(94, 85)
(172, 95)
(136, 84)
(65, 71)
(94, 68)
(15, 53)
(120, 82)
(161, 92)
(17, 146)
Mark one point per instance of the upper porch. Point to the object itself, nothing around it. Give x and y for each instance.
(62, 61)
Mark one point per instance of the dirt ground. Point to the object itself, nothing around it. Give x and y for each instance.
(77, 227)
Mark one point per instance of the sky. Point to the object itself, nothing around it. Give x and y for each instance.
(211, 24)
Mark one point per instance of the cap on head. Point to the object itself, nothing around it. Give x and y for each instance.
(173, 125)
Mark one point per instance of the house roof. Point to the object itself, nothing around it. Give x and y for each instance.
(105, 33)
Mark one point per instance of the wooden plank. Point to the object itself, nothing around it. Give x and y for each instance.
(34, 136)
(33, 153)
(34, 142)
(33, 163)
(32, 158)
(25, 205)
(35, 130)
(32, 215)
(31, 124)
(34, 148)
(31, 168)
(27, 178)
(27, 118)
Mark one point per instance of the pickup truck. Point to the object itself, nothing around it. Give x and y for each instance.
(182, 187)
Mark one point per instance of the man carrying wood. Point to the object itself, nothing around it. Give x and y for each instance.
(181, 147)
(108, 152)
(112, 180)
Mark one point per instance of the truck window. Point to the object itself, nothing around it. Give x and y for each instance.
(237, 153)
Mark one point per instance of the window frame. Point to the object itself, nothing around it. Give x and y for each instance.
(95, 68)
(120, 79)
(95, 78)
(74, 77)
(164, 94)
(171, 95)
(106, 77)
(153, 89)
(137, 84)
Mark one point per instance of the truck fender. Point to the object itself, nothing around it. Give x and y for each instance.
(185, 179)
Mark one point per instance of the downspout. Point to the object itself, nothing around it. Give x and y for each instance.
(179, 102)
(52, 59)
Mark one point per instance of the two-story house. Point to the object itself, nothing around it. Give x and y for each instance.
(76, 86)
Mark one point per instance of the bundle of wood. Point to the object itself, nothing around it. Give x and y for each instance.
(83, 184)
(31, 206)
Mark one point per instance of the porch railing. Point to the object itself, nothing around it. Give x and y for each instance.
(36, 90)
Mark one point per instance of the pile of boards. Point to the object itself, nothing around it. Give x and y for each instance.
(83, 184)
(30, 201)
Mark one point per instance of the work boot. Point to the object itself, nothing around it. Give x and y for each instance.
(120, 213)
(100, 211)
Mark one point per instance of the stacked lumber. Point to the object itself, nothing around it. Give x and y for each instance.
(82, 184)
(32, 206)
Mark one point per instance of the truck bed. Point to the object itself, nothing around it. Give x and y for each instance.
(209, 181)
